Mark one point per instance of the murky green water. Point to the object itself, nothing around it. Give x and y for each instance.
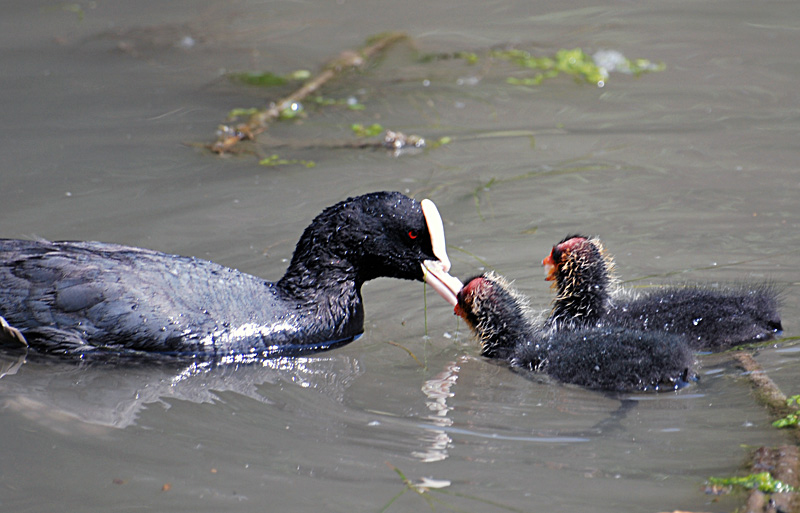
(690, 170)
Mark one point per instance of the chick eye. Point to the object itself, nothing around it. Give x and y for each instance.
(413, 234)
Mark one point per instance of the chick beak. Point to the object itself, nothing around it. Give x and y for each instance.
(549, 268)
(434, 274)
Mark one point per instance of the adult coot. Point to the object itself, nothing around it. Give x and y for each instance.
(84, 298)
(711, 318)
(612, 358)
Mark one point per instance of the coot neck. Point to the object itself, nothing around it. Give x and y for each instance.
(326, 258)
(328, 292)
(583, 291)
(322, 275)
(502, 319)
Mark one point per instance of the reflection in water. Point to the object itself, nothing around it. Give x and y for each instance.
(437, 437)
(11, 362)
(68, 396)
(673, 168)
(438, 433)
(519, 438)
(437, 390)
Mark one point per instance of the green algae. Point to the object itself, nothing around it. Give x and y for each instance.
(373, 130)
(761, 481)
(791, 419)
(275, 160)
(263, 79)
(73, 8)
(241, 113)
(268, 78)
(573, 62)
(468, 57)
(438, 143)
(351, 103)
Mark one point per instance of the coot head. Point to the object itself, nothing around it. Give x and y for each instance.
(382, 234)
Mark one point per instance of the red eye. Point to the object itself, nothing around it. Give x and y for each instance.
(413, 234)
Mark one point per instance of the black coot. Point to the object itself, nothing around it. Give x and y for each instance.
(84, 298)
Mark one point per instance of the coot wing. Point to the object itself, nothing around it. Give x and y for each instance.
(84, 295)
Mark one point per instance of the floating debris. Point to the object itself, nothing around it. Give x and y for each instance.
(590, 69)
(291, 110)
(614, 61)
(398, 140)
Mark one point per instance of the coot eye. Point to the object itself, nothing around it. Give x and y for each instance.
(413, 234)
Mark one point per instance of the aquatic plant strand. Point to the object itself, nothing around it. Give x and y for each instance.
(790, 419)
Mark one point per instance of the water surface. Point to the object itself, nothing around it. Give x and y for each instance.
(689, 174)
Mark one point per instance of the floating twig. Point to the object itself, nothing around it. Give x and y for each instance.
(781, 462)
(766, 389)
(228, 137)
(427, 485)
(407, 350)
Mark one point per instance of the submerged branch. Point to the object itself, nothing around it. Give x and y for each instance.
(767, 391)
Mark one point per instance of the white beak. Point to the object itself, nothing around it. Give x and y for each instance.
(435, 272)
(436, 230)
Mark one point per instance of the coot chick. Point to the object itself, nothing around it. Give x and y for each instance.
(711, 318)
(611, 358)
(90, 298)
